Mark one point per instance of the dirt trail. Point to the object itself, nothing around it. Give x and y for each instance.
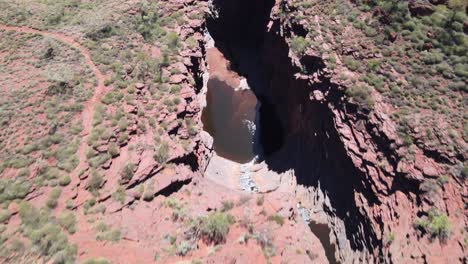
(87, 114)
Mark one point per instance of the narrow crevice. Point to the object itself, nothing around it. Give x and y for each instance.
(181, 116)
(174, 131)
(195, 67)
(196, 72)
(439, 157)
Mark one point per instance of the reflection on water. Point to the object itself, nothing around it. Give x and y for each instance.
(229, 118)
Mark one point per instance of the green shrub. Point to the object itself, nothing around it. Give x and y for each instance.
(29, 148)
(277, 219)
(98, 209)
(227, 205)
(266, 242)
(439, 225)
(13, 189)
(30, 215)
(4, 215)
(148, 193)
(113, 150)
(162, 153)
(64, 180)
(99, 160)
(147, 22)
(442, 180)
(215, 227)
(109, 235)
(101, 227)
(123, 137)
(48, 239)
(95, 181)
(88, 204)
(370, 31)
(461, 70)
(362, 95)
(53, 197)
(191, 127)
(351, 63)
(171, 202)
(464, 172)
(67, 220)
(433, 57)
(17, 162)
(178, 210)
(173, 40)
(127, 172)
(112, 97)
(97, 261)
(183, 248)
(119, 195)
(457, 4)
(68, 164)
(436, 224)
(17, 246)
(123, 124)
(45, 235)
(373, 64)
(101, 32)
(69, 204)
(389, 238)
(299, 45)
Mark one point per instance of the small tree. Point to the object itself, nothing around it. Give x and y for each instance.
(127, 172)
(162, 153)
(95, 182)
(215, 227)
(299, 45)
(436, 224)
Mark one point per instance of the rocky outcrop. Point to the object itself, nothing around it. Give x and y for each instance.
(418, 8)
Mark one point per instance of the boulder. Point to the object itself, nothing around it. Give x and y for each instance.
(139, 86)
(318, 95)
(418, 8)
(177, 78)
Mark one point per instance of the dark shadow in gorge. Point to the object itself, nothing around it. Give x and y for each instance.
(295, 132)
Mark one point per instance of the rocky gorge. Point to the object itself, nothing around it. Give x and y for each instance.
(342, 163)
(256, 131)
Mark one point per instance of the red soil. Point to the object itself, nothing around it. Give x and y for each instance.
(99, 90)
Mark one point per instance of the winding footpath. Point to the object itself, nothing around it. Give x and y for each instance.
(99, 90)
